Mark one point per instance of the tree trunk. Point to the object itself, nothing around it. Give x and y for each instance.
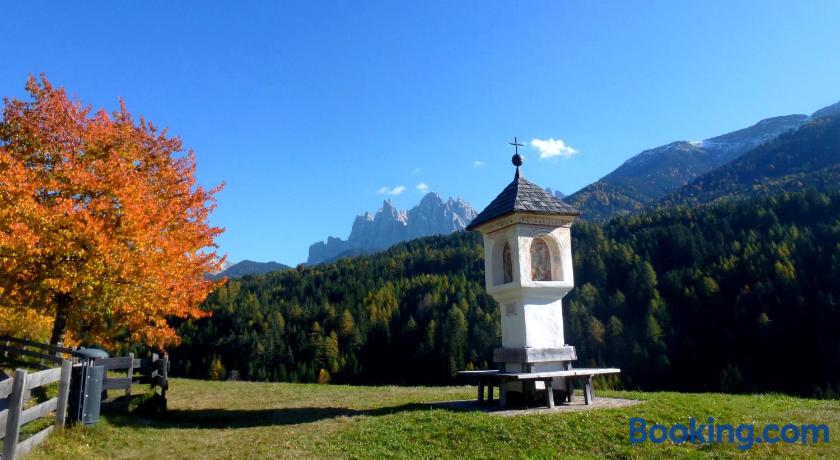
(62, 311)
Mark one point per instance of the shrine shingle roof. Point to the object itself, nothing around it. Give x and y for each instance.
(522, 196)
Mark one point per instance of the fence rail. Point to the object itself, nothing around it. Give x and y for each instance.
(15, 390)
(154, 371)
(14, 349)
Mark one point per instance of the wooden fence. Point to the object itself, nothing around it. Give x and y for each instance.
(15, 390)
(153, 371)
(34, 354)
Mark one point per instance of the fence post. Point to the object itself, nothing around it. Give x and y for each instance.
(63, 394)
(58, 353)
(130, 374)
(40, 360)
(165, 378)
(13, 419)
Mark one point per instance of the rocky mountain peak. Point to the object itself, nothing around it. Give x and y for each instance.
(388, 207)
(390, 212)
(431, 199)
(390, 226)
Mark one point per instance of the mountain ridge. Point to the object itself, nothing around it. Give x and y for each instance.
(808, 157)
(249, 267)
(388, 226)
(653, 174)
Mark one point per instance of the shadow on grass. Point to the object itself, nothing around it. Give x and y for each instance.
(117, 414)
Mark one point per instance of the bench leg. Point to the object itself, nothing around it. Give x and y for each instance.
(570, 389)
(480, 391)
(549, 394)
(587, 391)
(502, 395)
(490, 391)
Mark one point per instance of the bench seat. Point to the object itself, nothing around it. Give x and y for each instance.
(487, 377)
(581, 372)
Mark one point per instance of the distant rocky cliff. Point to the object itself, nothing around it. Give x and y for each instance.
(372, 232)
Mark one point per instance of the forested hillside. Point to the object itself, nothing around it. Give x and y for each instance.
(414, 313)
(742, 295)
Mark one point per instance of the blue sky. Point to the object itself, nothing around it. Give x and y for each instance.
(308, 110)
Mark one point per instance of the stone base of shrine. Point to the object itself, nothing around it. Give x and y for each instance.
(529, 360)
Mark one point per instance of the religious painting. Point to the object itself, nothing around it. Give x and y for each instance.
(507, 264)
(540, 261)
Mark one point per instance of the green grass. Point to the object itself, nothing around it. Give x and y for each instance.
(271, 420)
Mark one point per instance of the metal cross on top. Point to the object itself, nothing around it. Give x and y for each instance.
(516, 145)
(517, 158)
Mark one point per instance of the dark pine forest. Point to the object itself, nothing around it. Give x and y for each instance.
(741, 295)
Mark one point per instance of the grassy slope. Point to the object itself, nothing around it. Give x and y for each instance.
(269, 420)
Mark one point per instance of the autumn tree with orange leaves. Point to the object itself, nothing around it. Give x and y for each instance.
(103, 228)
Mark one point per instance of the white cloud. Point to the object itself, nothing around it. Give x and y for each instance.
(422, 187)
(416, 170)
(550, 148)
(478, 163)
(391, 191)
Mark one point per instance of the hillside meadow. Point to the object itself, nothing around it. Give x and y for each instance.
(209, 419)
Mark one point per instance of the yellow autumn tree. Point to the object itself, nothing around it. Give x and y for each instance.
(103, 227)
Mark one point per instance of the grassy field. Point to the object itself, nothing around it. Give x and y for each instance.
(276, 420)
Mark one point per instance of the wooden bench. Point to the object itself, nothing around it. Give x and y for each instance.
(482, 378)
(547, 377)
(489, 377)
